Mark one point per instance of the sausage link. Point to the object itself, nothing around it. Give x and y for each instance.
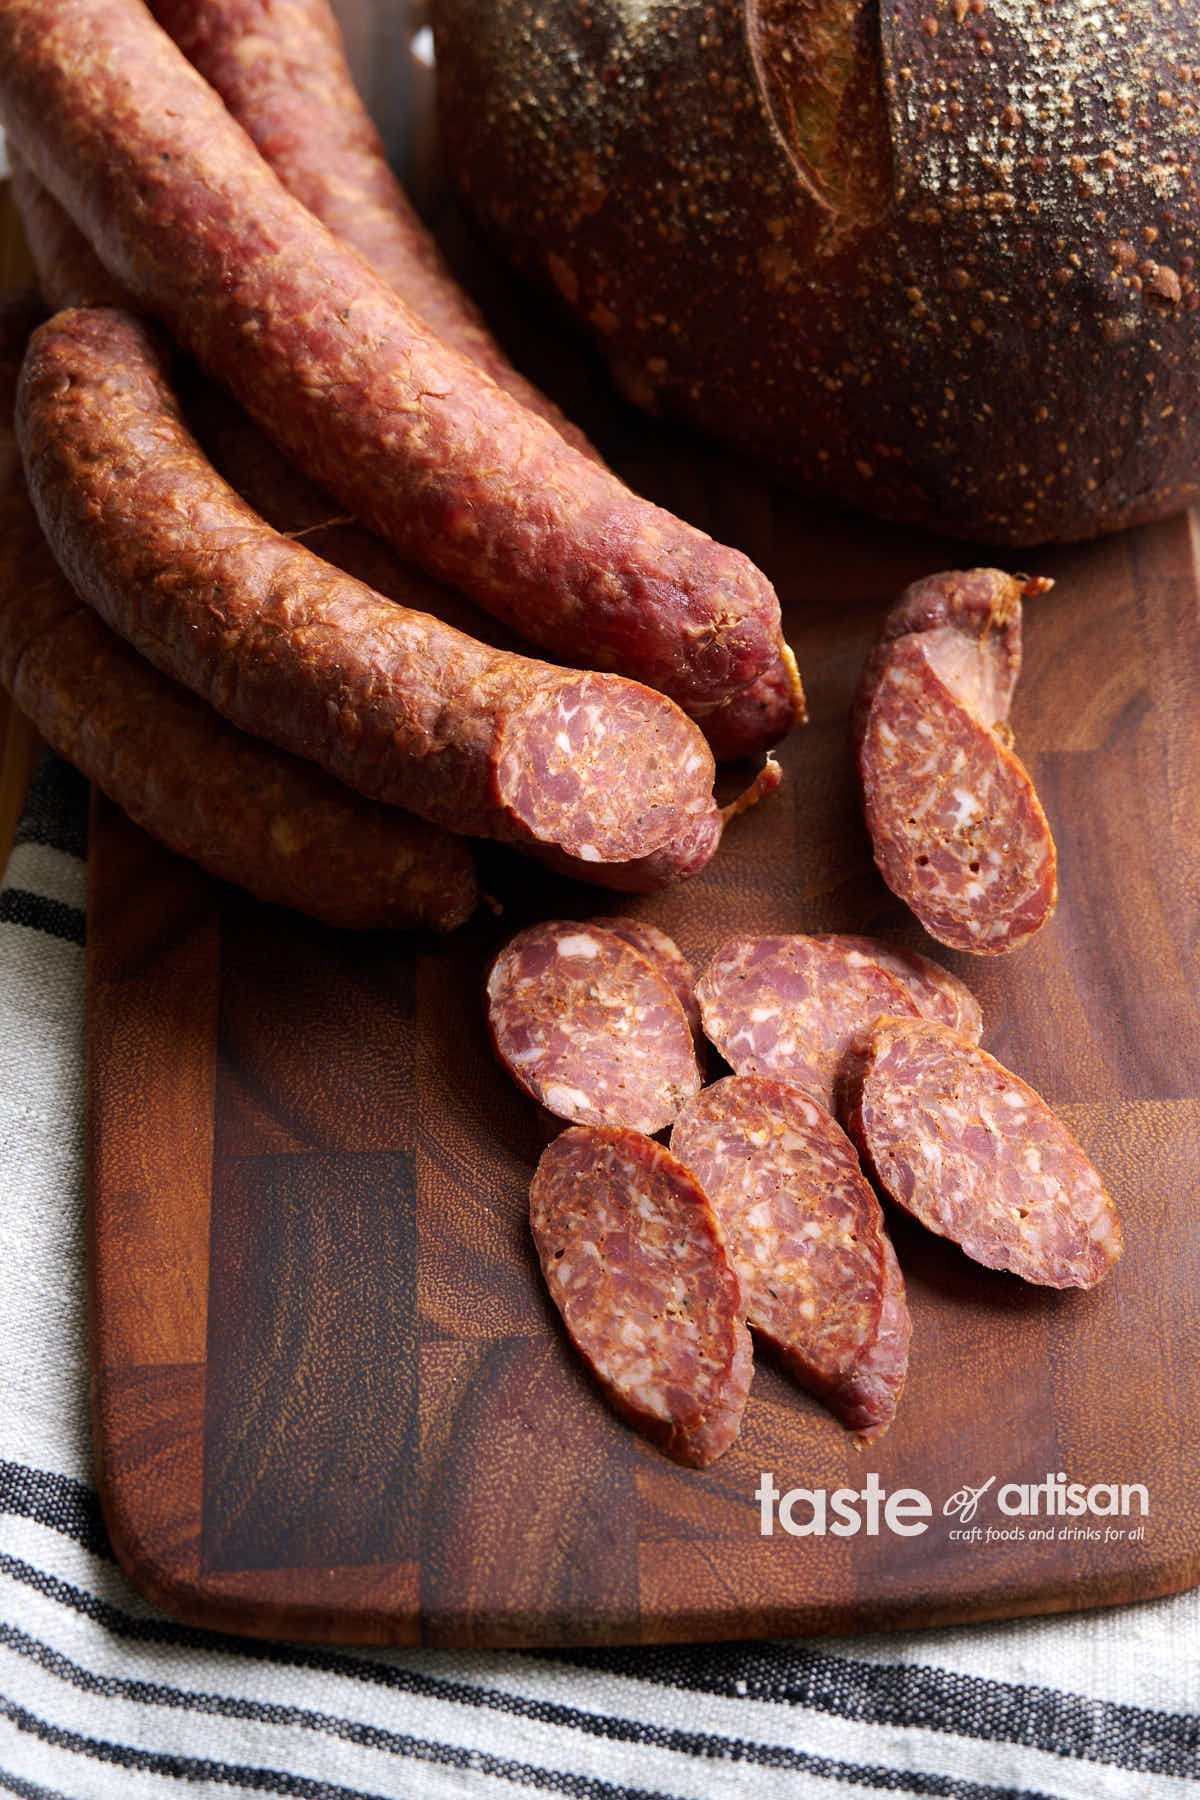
(255, 816)
(757, 718)
(281, 70)
(334, 366)
(70, 274)
(245, 811)
(589, 769)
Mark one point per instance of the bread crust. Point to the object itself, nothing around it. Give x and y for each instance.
(935, 261)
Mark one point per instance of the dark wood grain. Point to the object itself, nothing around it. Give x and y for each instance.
(331, 1399)
(354, 1366)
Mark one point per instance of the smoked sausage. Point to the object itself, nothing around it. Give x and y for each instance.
(70, 274)
(664, 954)
(589, 769)
(245, 811)
(793, 1005)
(334, 366)
(590, 1027)
(868, 1395)
(282, 72)
(936, 993)
(806, 1238)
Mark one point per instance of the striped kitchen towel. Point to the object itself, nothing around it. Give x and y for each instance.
(101, 1695)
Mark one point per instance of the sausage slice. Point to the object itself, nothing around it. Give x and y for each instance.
(665, 955)
(956, 826)
(635, 1263)
(806, 1237)
(976, 1155)
(793, 1005)
(590, 1028)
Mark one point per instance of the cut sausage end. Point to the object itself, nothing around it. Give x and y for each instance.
(957, 829)
(981, 603)
(603, 769)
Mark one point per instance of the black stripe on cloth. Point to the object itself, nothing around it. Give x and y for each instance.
(1141, 1739)
(18, 906)
(28, 1790)
(56, 808)
(484, 1762)
(280, 1781)
(708, 1746)
(1150, 1741)
(59, 1502)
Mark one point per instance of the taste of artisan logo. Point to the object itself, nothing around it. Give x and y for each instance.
(1054, 1508)
(1080, 1505)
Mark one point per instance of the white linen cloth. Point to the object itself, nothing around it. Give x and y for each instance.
(101, 1695)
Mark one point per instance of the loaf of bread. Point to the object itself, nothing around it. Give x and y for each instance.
(934, 258)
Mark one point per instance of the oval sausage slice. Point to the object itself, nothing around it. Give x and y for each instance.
(975, 1154)
(936, 993)
(635, 1263)
(806, 1237)
(956, 825)
(589, 1028)
(792, 1006)
(664, 953)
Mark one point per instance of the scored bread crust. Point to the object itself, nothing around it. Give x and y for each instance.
(934, 259)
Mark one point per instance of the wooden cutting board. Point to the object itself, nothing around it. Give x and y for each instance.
(331, 1398)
